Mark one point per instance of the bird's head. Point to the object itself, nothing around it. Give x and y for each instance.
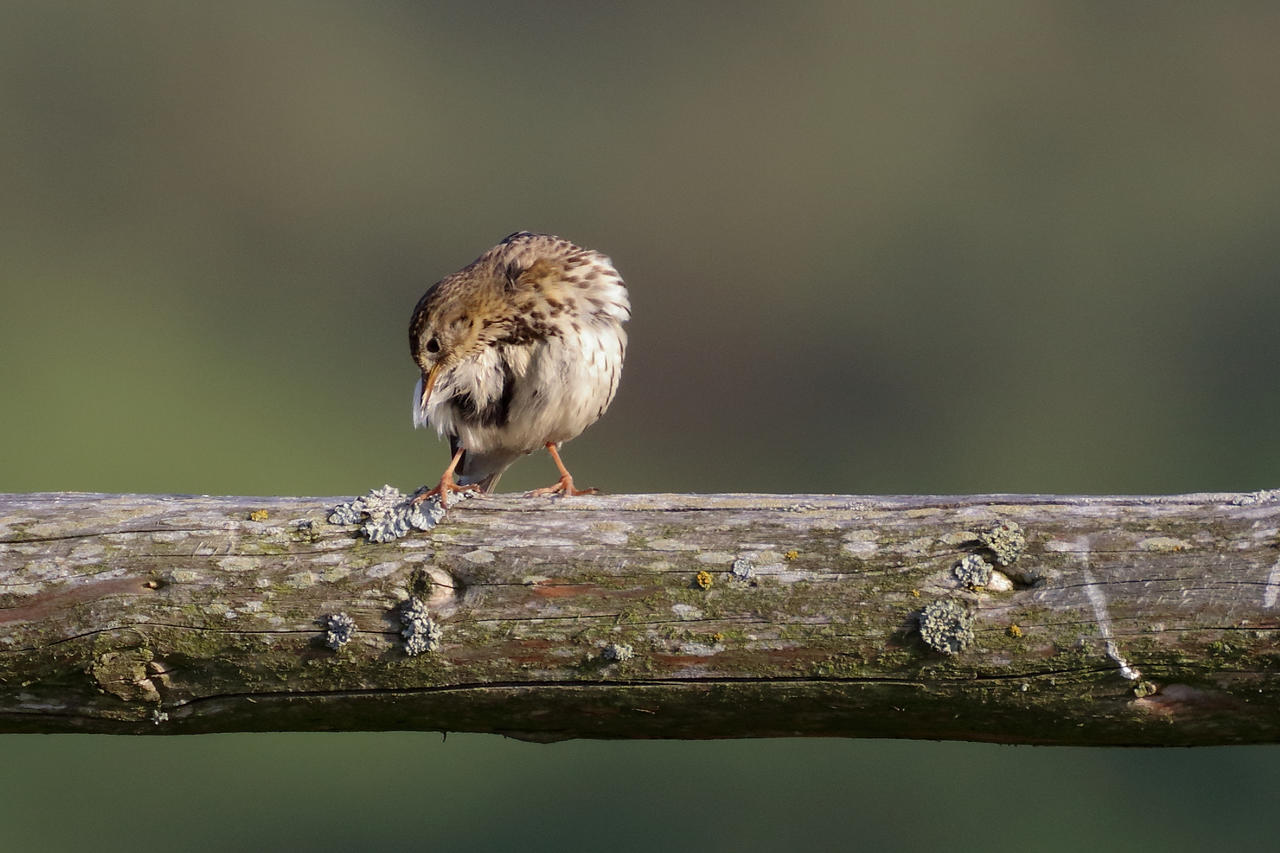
(447, 328)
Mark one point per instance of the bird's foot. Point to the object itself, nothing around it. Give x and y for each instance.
(443, 489)
(563, 487)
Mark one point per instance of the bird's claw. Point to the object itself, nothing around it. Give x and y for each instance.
(442, 492)
(563, 487)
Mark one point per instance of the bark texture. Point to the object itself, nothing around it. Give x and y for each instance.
(1122, 620)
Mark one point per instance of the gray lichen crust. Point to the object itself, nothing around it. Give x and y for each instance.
(1260, 496)
(946, 626)
(1005, 541)
(386, 515)
(339, 627)
(618, 652)
(420, 633)
(972, 571)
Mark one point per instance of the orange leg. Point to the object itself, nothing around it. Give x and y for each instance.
(565, 484)
(446, 484)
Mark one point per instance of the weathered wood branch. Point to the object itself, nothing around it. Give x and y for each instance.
(1126, 620)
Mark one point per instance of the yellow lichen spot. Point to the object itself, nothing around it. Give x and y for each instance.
(718, 637)
(791, 555)
(915, 593)
(703, 579)
(1015, 631)
(258, 515)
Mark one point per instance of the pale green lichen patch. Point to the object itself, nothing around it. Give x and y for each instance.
(1005, 541)
(15, 528)
(301, 580)
(671, 545)
(618, 652)
(860, 543)
(239, 564)
(609, 532)
(1163, 544)
(972, 571)
(382, 570)
(696, 649)
(44, 569)
(86, 552)
(687, 611)
(946, 626)
(914, 547)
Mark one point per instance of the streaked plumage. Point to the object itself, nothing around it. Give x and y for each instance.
(520, 350)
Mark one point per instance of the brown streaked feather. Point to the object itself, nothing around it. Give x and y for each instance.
(525, 344)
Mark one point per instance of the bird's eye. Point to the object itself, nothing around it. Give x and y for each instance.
(433, 346)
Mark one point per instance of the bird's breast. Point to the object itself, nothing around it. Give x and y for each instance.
(519, 396)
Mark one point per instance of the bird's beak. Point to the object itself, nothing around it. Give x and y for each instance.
(428, 382)
(422, 394)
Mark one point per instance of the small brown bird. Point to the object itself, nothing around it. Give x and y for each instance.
(520, 350)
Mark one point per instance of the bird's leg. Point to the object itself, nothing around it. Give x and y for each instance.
(565, 485)
(445, 485)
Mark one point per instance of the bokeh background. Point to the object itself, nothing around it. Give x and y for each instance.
(873, 247)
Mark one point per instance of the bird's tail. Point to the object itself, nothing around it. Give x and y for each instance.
(483, 469)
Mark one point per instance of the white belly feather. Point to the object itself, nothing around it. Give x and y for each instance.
(560, 386)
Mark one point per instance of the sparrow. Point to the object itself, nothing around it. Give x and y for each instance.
(520, 350)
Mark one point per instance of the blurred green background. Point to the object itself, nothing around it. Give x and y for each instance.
(872, 248)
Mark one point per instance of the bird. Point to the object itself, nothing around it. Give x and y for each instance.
(520, 350)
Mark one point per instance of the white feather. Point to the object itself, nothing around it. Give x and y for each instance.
(419, 411)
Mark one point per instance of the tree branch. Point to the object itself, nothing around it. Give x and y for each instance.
(1124, 620)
